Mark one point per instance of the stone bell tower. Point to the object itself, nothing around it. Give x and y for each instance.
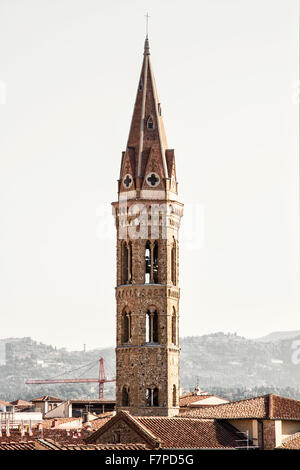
(147, 216)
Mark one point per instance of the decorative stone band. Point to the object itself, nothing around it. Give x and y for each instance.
(151, 194)
(143, 290)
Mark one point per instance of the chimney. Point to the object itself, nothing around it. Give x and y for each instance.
(85, 417)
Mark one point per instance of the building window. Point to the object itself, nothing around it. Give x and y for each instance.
(155, 263)
(147, 263)
(150, 123)
(152, 326)
(126, 263)
(174, 326)
(173, 263)
(152, 397)
(126, 326)
(174, 396)
(125, 396)
(151, 263)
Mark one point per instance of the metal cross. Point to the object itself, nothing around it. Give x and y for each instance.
(147, 21)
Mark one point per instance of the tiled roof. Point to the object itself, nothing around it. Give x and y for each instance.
(96, 401)
(292, 442)
(46, 398)
(53, 445)
(284, 408)
(189, 433)
(105, 447)
(267, 406)
(48, 422)
(99, 422)
(189, 398)
(21, 403)
(30, 445)
(175, 433)
(4, 402)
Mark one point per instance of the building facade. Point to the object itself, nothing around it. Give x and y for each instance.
(147, 216)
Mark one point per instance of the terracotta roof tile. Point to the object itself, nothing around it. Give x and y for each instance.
(284, 408)
(47, 398)
(190, 433)
(99, 422)
(186, 400)
(51, 444)
(292, 442)
(266, 406)
(21, 403)
(4, 402)
(48, 422)
(29, 445)
(105, 447)
(175, 433)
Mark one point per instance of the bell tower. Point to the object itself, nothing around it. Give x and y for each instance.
(147, 216)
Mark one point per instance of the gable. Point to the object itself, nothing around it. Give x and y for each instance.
(127, 434)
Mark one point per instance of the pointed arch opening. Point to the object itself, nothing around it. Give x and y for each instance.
(151, 262)
(174, 326)
(174, 263)
(126, 263)
(126, 326)
(147, 262)
(150, 123)
(125, 396)
(152, 326)
(155, 262)
(152, 397)
(174, 395)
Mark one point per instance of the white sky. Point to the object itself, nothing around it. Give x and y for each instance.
(227, 74)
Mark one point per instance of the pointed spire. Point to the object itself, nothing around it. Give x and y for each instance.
(147, 46)
(146, 153)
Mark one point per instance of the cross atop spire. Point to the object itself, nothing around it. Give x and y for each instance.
(147, 23)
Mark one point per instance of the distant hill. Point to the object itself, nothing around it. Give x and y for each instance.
(232, 364)
(278, 336)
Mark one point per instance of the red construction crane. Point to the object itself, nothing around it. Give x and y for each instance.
(101, 380)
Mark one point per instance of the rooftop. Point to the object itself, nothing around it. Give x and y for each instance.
(266, 406)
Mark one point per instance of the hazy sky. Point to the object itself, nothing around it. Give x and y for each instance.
(227, 73)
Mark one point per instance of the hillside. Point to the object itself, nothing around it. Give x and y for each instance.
(226, 362)
(279, 335)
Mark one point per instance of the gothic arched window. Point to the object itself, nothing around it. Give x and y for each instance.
(151, 262)
(126, 263)
(125, 396)
(174, 326)
(150, 123)
(126, 326)
(152, 398)
(174, 396)
(152, 326)
(173, 263)
(147, 263)
(155, 397)
(155, 263)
